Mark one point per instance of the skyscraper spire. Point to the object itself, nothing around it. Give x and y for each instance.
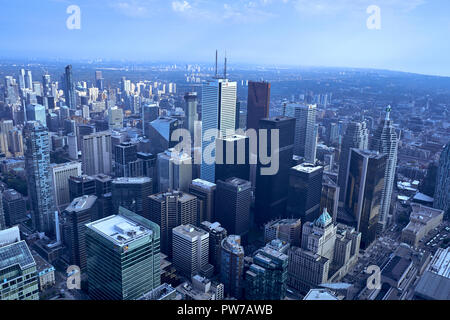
(225, 67)
(388, 113)
(216, 66)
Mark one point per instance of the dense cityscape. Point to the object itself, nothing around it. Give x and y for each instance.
(221, 180)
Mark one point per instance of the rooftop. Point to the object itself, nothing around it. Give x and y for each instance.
(320, 294)
(307, 168)
(132, 180)
(16, 253)
(189, 232)
(119, 229)
(81, 203)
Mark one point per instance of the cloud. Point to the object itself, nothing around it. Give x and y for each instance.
(133, 8)
(181, 6)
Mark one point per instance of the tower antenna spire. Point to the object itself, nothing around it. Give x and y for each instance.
(225, 67)
(216, 64)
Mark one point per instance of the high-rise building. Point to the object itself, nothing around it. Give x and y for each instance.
(272, 190)
(385, 141)
(305, 191)
(159, 132)
(169, 210)
(233, 200)
(96, 153)
(287, 230)
(174, 171)
(115, 118)
(305, 144)
(47, 85)
(206, 193)
(99, 80)
(124, 154)
(190, 249)
(17, 270)
(132, 194)
(190, 111)
(258, 103)
(60, 180)
(123, 260)
(216, 234)
(442, 191)
(365, 184)
(14, 207)
(81, 185)
(218, 113)
(232, 266)
(232, 157)
(266, 277)
(36, 112)
(2, 215)
(69, 89)
(80, 212)
(39, 179)
(356, 136)
(330, 196)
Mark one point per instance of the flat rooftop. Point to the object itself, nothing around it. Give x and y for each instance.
(119, 229)
(203, 183)
(132, 180)
(307, 168)
(81, 203)
(441, 263)
(189, 232)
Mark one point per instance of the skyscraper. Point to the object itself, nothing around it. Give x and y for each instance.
(160, 132)
(169, 210)
(305, 144)
(36, 112)
(132, 194)
(232, 157)
(174, 171)
(233, 200)
(190, 249)
(356, 136)
(442, 192)
(96, 153)
(272, 190)
(385, 141)
(365, 185)
(122, 257)
(39, 180)
(218, 113)
(190, 111)
(115, 118)
(232, 265)
(206, 193)
(80, 212)
(258, 103)
(305, 191)
(99, 80)
(14, 207)
(216, 234)
(124, 154)
(60, 180)
(69, 89)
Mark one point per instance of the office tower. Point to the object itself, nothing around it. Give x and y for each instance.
(80, 212)
(169, 210)
(330, 196)
(2, 215)
(190, 111)
(17, 271)
(266, 277)
(356, 136)
(132, 194)
(10, 90)
(258, 103)
(81, 185)
(218, 113)
(28, 80)
(287, 230)
(14, 207)
(123, 259)
(99, 80)
(364, 192)
(69, 89)
(272, 190)
(72, 146)
(47, 85)
(385, 141)
(124, 154)
(305, 191)
(442, 191)
(22, 79)
(39, 179)
(190, 249)
(36, 112)
(15, 142)
(6, 126)
(232, 157)
(216, 234)
(82, 130)
(174, 171)
(115, 118)
(205, 192)
(233, 200)
(60, 180)
(159, 132)
(96, 153)
(150, 112)
(232, 266)
(305, 130)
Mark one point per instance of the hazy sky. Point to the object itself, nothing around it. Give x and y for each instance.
(414, 34)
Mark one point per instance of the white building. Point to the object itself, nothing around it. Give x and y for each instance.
(60, 180)
(96, 153)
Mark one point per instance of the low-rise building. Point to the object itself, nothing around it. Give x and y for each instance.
(421, 221)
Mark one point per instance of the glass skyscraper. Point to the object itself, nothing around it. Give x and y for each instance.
(123, 259)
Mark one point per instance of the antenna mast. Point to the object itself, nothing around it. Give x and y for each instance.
(225, 67)
(216, 64)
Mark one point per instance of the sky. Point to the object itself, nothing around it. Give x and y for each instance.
(414, 35)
